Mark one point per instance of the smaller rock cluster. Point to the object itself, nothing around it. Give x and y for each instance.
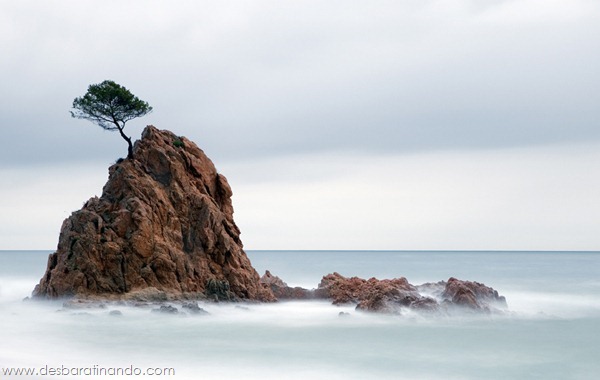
(391, 296)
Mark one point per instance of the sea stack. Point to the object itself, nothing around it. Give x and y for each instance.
(163, 225)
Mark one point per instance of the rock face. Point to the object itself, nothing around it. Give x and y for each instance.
(164, 224)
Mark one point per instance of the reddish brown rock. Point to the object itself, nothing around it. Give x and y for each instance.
(389, 296)
(271, 280)
(282, 291)
(473, 295)
(164, 222)
(373, 294)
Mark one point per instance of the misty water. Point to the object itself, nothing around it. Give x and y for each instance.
(552, 329)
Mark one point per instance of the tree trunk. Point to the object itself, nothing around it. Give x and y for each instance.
(129, 149)
(129, 144)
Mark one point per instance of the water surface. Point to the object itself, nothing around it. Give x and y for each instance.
(551, 332)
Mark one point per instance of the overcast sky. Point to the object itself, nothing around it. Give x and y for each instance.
(459, 124)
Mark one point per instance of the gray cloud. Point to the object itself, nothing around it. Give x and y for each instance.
(442, 110)
(248, 79)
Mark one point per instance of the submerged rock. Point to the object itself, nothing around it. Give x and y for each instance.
(166, 309)
(83, 304)
(194, 308)
(163, 228)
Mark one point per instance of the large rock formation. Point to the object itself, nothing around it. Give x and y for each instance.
(164, 224)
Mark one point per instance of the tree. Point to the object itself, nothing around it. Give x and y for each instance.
(110, 105)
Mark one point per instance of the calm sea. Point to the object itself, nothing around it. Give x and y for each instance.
(551, 332)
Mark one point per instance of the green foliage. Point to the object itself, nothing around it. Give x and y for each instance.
(109, 105)
(178, 143)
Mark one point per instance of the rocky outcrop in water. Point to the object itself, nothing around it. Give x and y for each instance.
(472, 294)
(373, 295)
(163, 228)
(391, 296)
(282, 291)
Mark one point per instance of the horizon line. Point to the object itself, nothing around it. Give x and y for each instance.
(368, 250)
